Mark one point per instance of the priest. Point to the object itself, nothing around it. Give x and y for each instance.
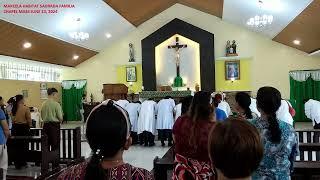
(312, 111)
(146, 122)
(122, 103)
(165, 119)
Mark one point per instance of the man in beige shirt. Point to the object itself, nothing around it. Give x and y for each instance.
(52, 116)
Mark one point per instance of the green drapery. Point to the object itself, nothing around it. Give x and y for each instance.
(305, 85)
(72, 92)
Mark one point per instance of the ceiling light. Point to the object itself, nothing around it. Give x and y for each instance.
(27, 45)
(108, 35)
(296, 42)
(260, 20)
(79, 35)
(75, 57)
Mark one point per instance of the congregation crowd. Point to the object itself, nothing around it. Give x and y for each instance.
(210, 142)
(243, 146)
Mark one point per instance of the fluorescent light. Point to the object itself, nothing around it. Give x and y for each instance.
(296, 42)
(108, 35)
(75, 57)
(27, 45)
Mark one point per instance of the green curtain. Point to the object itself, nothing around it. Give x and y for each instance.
(300, 91)
(72, 94)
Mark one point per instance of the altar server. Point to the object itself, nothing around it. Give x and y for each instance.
(122, 102)
(283, 113)
(133, 110)
(165, 119)
(146, 122)
(312, 111)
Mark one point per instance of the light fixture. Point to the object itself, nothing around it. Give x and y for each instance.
(108, 35)
(296, 42)
(260, 20)
(27, 45)
(79, 35)
(75, 57)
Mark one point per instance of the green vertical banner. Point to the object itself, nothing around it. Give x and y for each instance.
(72, 92)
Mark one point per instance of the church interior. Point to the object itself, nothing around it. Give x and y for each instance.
(83, 53)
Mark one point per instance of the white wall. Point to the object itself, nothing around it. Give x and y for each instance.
(271, 61)
(189, 62)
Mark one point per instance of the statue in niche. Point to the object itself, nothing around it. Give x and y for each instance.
(231, 49)
(131, 53)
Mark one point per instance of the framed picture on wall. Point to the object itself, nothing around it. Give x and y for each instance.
(232, 70)
(131, 73)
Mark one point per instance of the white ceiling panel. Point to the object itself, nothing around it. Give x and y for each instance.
(283, 11)
(97, 18)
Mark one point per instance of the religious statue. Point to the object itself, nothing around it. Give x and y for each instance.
(178, 82)
(231, 49)
(131, 53)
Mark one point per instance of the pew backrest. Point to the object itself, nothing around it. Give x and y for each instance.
(308, 145)
(70, 143)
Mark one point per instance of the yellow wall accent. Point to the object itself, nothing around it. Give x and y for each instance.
(227, 85)
(11, 88)
(270, 64)
(121, 76)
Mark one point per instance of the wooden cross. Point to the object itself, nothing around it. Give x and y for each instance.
(177, 47)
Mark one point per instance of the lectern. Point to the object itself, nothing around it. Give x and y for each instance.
(115, 91)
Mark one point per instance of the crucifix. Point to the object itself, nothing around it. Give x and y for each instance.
(177, 47)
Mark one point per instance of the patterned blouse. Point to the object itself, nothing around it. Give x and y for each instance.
(123, 172)
(277, 162)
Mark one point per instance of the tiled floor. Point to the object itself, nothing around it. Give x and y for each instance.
(139, 156)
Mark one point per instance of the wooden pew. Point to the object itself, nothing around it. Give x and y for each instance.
(163, 165)
(37, 154)
(70, 143)
(307, 169)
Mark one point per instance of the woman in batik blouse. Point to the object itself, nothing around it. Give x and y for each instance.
(108, 134)
(279, 138)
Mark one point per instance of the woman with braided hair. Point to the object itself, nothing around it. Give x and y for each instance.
(108, 134)
(279, 138)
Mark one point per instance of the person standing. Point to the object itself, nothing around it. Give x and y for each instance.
(147, 122)
(283, 112)
(4, 134)
(222, 104)
(279, 139)
(177, 110)
(165, 119)
(51, 114)
(4, 109)
(243, 102)
(312, 111)
(191, 137)
(133, 110)
(122, 103)
(21, 123)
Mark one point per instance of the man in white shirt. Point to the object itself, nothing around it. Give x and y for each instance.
(283, 113)
(122, 103)
(223, 105)
(165, 119)
(147, 122)
(133, 110)
(312, 111)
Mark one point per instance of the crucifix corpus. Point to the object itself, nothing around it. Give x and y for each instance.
(178, 82)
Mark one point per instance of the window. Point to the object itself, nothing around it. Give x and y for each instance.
(27, 72)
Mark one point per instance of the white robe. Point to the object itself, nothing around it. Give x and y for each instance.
(122, 103)
(165, 116)
(223, 105)
(146, 120)
(312, 110)
(283, 113)
(177, 111)
(253, 107)
(133, 110)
